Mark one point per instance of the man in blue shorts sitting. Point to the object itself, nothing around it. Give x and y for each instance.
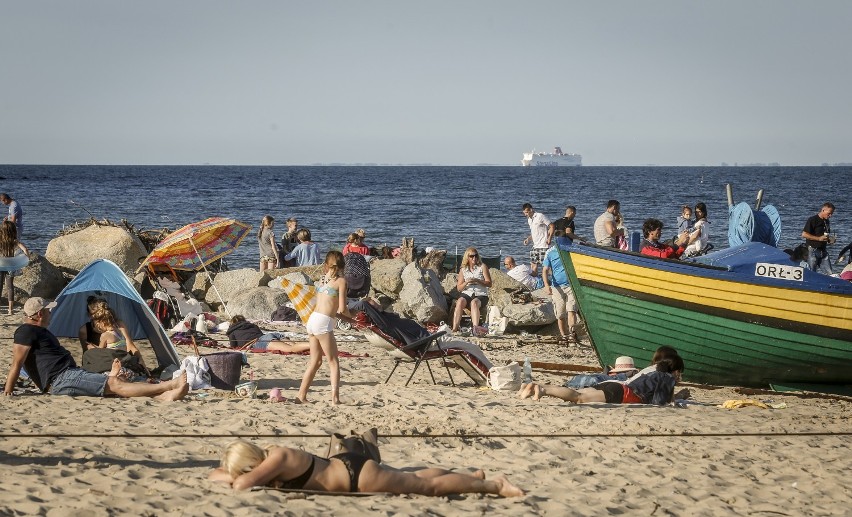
(53, 370)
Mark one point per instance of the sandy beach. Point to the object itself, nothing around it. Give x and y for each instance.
(640, 460)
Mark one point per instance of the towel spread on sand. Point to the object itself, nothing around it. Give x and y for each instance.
(734, 404)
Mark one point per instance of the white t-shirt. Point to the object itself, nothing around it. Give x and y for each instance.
(523, 274)
(703, 228)
(538, 229)
(602, 237)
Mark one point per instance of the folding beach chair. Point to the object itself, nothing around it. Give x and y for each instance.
(412, 343)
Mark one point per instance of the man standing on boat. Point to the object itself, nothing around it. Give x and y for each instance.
(817, 234)
(606, 226)
(541, 232)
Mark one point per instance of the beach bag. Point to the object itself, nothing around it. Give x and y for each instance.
(99, 360)
(505, 378)
(366, 444)
(357, 274)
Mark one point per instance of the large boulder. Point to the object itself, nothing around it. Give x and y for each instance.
(421, 296)
(257, 303)
(529, 314)
(297, 277)
(313, 272)
(76, 250)
(230, 283)
(198, 284)
(39, 278)
(386, 276)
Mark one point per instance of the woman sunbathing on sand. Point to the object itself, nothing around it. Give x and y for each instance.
(245, 465)
(243, 333)
(653, 385)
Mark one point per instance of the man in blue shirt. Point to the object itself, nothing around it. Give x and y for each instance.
(557, 285)
(15, 213)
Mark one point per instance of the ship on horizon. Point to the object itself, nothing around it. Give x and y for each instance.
(555, 159)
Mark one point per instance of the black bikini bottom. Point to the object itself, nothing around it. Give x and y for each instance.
(354, 463)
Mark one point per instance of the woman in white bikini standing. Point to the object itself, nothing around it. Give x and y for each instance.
(331, 301)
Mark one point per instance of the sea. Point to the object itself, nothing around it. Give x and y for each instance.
(443, 207)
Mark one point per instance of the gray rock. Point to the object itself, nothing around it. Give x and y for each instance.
(39, 278)
(257, 303)
(312, 272)
(198, 284)
(529, 314)
(298, 277)
(76, 250)
(421, 296)
(386, 276)
(230, 283)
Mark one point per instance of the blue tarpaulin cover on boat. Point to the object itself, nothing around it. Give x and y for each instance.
(105, 279)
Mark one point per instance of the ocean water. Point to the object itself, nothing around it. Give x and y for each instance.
(445, 207)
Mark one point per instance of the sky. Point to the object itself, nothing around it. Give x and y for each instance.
(439, 82)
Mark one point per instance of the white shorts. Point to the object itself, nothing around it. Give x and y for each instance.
(563, 300)
(319, 324)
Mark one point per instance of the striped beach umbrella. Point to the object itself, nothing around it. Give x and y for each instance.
(196, 245)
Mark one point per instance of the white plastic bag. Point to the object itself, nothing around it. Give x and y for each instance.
(505, 378)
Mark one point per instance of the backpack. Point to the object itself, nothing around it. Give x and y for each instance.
(163, 311)
(357, 274)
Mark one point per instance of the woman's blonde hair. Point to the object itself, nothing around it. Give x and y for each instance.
(240, 457)
(266, 222)
(103, 316)
(335, 263)
(466, 258)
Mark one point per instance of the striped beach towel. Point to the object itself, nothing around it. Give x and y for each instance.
(303, 297)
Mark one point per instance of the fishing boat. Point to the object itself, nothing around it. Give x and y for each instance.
(743, 316)
(554, 159)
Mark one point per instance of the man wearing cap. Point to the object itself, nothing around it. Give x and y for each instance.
(53, 370)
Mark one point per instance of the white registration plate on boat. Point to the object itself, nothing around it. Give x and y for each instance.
(779, 271)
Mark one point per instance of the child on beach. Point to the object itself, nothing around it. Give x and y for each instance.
(114, 333)
(355, 244)
(684, 220)
(307, 252)
(245, 465)
(267, 245)
(9, 243)
(331, 301)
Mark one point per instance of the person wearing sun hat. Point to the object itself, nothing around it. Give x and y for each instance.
(624, 364)
(53, 370)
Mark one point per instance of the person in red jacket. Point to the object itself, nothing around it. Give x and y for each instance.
(651, 230)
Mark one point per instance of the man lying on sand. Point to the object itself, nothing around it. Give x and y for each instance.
(245, 465)
(52, 368)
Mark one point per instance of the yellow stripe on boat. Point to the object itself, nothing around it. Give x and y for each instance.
(809, 307)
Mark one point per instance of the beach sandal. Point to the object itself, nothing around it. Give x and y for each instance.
(562, 340)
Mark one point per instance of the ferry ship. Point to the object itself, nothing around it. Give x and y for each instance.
(555, 159)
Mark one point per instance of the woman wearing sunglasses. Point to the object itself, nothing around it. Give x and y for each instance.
(473, 282)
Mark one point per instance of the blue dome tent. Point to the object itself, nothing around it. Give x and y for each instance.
(105, 279)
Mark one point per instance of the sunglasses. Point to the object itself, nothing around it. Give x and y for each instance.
(473, 255)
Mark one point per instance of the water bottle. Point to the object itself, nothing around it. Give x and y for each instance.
(527, 371)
